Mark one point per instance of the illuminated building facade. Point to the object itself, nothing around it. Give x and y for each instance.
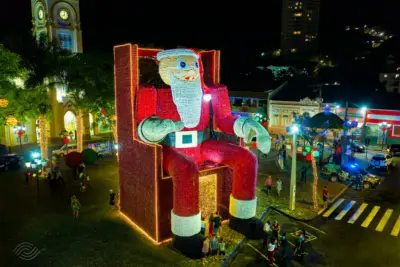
(300, 23)
(61, 20)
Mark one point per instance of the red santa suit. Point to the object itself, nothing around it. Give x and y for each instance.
(185, 149)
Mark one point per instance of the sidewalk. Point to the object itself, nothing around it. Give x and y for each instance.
(304, 201)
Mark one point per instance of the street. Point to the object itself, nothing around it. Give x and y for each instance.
(360, 228)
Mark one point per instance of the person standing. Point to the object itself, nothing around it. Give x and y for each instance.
(267, 230)
(279, 187)
(211, 225)
(203, 226)
(214, 245)
(221, 247)
(275, 230)
(268, 184)
(112, 198)
(358, 182)
(59, 176)
(217, 223)
(304, 174)
(271, 251)
(205, 249)
(284, 240)
(325, 195)
(277, 142)
(75, 205)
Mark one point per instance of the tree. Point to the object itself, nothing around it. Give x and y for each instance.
(45, 64)
(90, 82)
(311, 129)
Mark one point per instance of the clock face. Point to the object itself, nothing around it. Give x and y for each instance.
(41, 14)
(64, 14)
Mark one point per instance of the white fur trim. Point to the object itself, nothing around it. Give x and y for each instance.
(185, 226)
(242, 209)
(176, 53)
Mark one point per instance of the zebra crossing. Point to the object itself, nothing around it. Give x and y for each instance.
(365, 215)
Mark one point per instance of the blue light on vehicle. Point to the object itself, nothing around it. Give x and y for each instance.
(352, 166)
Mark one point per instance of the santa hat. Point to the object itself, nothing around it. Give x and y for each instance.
(177, 52)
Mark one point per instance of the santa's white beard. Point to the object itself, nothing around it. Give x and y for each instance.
(187, 96)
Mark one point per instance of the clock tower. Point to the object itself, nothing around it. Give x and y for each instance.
(60, 20)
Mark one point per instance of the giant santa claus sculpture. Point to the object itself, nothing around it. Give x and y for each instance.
(180, 127)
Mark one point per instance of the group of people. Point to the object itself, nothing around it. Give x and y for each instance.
(276, 240)
(213, 244)
(268, 185)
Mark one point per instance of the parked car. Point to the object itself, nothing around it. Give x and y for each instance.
(3, 165)
(10, 161)
(381, 161)
(64, 150)
(348, 172)
(357, 147)
(394, 149)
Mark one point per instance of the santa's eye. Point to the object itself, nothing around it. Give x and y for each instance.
(182, 65)
(196, 65)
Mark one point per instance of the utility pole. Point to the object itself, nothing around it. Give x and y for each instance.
(292, 197)
(345, 139)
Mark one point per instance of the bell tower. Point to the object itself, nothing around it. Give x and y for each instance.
(60, 20)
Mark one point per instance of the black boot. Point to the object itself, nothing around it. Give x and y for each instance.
(252, 228)
(189, 246)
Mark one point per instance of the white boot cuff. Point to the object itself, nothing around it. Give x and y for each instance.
(242, 209)
(185, 226)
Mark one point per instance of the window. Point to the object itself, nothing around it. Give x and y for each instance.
(293, 50)
(396, 130)
(298, 14)
(276, 119)
(65, 39)
(296, 32)
(285, 120)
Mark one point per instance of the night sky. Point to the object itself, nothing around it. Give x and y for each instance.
(231, 28)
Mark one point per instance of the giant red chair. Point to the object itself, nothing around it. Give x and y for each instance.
(146, 191)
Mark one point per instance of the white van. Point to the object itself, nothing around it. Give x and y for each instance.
(64, 150)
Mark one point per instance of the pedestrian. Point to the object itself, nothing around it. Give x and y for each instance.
(82, 182)
(358, 182)
(271, 251)
(214, 245)
(205, 249)
(75, 205)
(268, 184)
(279, 187)
(211, 225)
(325, 195)
(304, 174)
(27, 174)
(221, 247)
(112, 198)
(217, 223)
(284, 240)
(203, 226)
(118, 201)
(275, 230)
(59, 176)
(267, 230)
(276, 142)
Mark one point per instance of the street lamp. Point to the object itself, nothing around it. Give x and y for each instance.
(294, 130)
(20, 130)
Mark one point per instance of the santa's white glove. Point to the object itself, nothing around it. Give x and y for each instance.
(248, 129)
(153, 130)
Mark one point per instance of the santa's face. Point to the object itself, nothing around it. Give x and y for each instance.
(184, 78)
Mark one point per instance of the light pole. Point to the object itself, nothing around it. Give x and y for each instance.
(292, 199)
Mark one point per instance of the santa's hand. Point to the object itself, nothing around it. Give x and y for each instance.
(248, 129)
(153, 130)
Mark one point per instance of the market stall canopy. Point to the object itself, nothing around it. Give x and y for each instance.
(325, 120)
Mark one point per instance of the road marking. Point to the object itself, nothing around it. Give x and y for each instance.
(358, 213)
(345, 210)
(332, 209)
(382, 223)
(396, 228)
(336, 197)
(312, 227)
(370, 217)
(262, 255)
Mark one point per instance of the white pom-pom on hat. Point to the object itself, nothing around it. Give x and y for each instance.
(176, 53)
